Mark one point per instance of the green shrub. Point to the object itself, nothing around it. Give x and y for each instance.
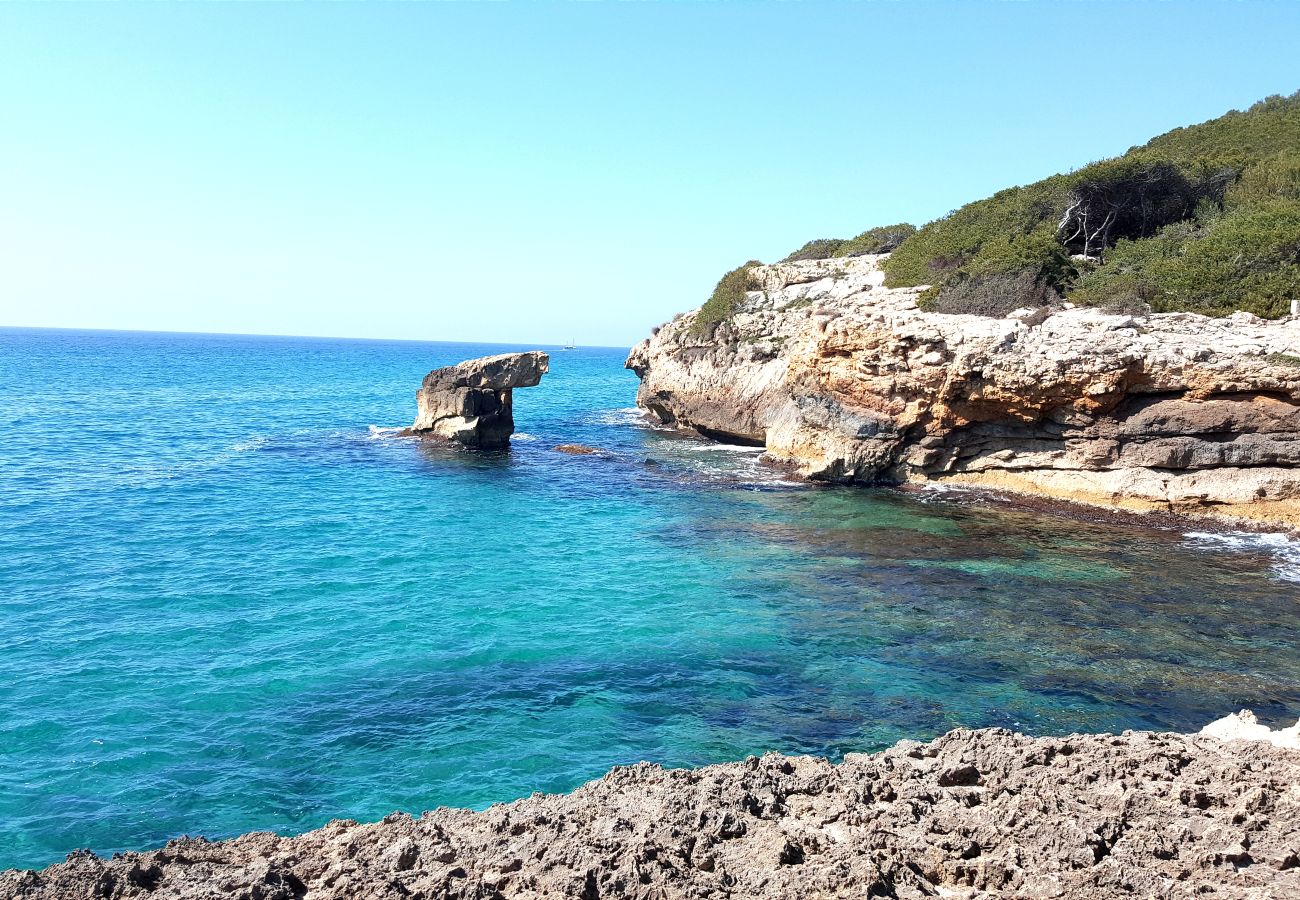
(1237, 138)
(726, 299)
(1132, 267)
(1133, 198)
(1248, 259)
(883, 239)
(1283, 359)
(1274, 178)
(1201, 218)
(945, 246)
(822, 248)
(1037, 253)
(1189, 220)
(994, 294)
(1084, 212)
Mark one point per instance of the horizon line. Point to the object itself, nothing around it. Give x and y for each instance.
(309, 337)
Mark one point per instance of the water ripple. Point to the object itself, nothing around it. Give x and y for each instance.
(229, 603)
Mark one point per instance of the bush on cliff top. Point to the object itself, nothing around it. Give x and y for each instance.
(1204, 218)
(1248, 259)
(822, 248)
(881, 239)
(1196, 219)
(726, 299)
(994, 294)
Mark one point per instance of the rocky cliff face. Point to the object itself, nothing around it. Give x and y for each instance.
(472, 402)
(848, 381)
(974, 814)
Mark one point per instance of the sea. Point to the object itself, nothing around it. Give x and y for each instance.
(234, 597)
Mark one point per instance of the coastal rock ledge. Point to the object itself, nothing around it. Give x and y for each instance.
(471, 402)
(974, 814)
(849, 381)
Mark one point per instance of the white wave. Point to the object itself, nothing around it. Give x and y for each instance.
(152, 475)
(727, 448)
(253, 443)
(1284, 548)
(523, 436)
(631, 415)
(936, 492)
(744, 469)
(380, 432)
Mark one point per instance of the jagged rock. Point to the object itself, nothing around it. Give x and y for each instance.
(471, 402)
(576, 449)
(974, 814)
(849, 381)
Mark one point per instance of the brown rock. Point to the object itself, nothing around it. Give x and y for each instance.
(850, 382)
(1097, 816)
(576, 449)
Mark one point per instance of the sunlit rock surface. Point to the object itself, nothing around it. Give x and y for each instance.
(974, 814)
(849, 381)
(471, 402)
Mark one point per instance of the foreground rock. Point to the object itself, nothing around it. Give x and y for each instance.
(471, 402)
(850, 382)
(973, 814)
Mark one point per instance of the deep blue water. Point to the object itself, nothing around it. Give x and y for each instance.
(231, 598)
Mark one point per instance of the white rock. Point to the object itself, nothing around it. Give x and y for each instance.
(1243, 726)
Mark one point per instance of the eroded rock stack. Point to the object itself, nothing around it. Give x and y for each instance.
(471, 402)
(850, 381)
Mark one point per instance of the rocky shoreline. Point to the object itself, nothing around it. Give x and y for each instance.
(848, 381)
(973, 814)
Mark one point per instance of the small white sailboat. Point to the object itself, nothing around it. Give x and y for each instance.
(570, 345)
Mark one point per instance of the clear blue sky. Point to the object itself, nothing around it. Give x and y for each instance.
(536, 172)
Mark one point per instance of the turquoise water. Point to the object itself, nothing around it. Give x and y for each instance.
(231, 598)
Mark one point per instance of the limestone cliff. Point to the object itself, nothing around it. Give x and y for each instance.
(851, 382)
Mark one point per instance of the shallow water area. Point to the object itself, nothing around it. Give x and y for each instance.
(234, 597)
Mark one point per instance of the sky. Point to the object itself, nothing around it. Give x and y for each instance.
(543, 172)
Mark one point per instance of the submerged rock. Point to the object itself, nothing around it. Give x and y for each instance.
(471, 402)
(576, 449)
(851, 382)
(974, 814)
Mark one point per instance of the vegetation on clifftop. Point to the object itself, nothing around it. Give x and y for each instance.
(1204, 219)
(727, 297)
(882, 239)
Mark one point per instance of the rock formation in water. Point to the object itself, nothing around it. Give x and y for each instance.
(471, 402)
(576, 450)
(975, 814)
(849, 381)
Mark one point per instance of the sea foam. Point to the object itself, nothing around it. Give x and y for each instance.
(1284, 549)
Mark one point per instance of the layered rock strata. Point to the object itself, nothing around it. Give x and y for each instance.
(471, 402)
(975, 814)
(849, 381)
